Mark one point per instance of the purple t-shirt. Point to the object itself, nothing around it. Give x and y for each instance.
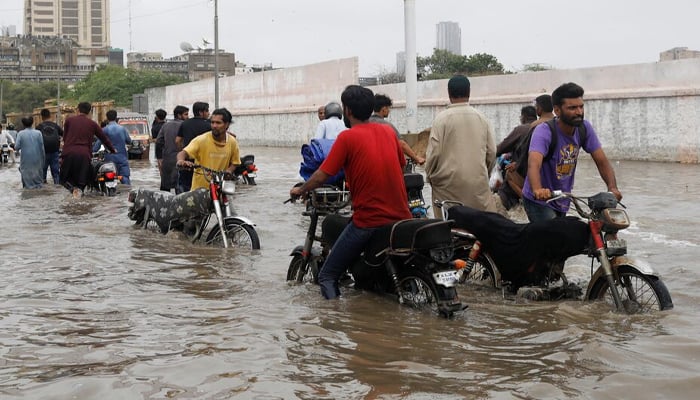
(558, 173)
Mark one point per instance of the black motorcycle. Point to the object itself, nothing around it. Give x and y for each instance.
(410, 259)
(247, 171)
(105, 178)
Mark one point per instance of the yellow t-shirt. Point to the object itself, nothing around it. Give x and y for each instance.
(211, 154)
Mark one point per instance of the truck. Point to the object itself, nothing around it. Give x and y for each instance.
(139, 131)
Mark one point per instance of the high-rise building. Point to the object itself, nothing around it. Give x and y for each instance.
(85, 21)
(449, 37)
(401, 63)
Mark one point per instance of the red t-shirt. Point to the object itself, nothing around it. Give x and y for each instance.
(373, 162)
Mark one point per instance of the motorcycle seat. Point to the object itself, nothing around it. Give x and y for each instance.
(418, 234)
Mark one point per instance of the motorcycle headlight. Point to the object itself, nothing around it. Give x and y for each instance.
(228, 187)
(615, 219)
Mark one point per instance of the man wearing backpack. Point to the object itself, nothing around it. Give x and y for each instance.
(553, 167)
(52, 134)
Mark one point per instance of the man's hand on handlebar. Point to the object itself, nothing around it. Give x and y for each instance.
(295, 193)
(184, 164)
(616, 192)
(542, 194)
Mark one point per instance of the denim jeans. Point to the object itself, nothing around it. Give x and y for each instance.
(51, 161)
(345, 251)
(538, 212)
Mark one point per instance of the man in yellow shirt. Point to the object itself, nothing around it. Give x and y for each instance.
(214, 150)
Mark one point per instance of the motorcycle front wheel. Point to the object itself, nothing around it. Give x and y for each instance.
(639, 293)
(239, 235)
(301, 271)
(249, 180)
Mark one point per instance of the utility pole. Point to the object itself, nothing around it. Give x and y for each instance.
(216, 54)
(411, 68)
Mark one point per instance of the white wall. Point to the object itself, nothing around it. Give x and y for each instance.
(641, 111)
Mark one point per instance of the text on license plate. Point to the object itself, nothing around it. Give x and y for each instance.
(445, 278)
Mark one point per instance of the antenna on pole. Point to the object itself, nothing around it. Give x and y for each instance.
(131, 47)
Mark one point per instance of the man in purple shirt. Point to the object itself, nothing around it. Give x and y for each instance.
(557, 173)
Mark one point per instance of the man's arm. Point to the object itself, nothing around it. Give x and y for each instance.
(316, 180)
(606, 172)
(182, 157)
(410, 153)
(534, 165)
(509, 143)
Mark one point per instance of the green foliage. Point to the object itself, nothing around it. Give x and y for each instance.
(534, 67)
(23, 97)
(443, 64)
(116, 83)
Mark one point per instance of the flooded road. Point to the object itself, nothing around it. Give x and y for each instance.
(95, 308)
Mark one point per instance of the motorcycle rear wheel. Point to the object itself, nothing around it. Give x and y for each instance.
(302, 272)
(239, 235)
(419, 291)
(249, 180)
(482, 274)
(640, 293)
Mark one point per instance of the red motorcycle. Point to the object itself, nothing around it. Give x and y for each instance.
(528, 259)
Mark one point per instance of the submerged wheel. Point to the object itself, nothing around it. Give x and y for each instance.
(111, 192)
(302, 272)
(239, 235)
(250, 180)
(419, 291)
(482, 274)
(639, 293)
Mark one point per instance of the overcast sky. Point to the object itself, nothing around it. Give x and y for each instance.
(562, 34)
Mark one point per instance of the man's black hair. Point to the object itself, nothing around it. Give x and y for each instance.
(27, 122)
(381, 101)
(179, 110)
(45, 113)
(84, 107)
(161, 114)
(225, 114)
(544, 102)
(458, 87)
(111, 115)
(359, 100)
(566, 91)
(529, 113)
(199, 107)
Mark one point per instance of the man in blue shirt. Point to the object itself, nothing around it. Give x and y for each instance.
(119, 137)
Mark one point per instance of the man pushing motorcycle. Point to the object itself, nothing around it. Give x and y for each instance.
(377, 199)
(215, 150)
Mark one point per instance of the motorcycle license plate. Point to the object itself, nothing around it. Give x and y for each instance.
(111, 184)
(617, 244)
(445, 278)
(252, 175)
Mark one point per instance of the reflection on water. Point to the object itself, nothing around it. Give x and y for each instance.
(95, 307)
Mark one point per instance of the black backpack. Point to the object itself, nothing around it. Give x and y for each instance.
(52, 138)
(521, 152)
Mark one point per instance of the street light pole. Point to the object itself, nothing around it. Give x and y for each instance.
(411, 68)
(216, 54)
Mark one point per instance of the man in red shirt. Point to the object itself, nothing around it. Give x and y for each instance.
(373, 162)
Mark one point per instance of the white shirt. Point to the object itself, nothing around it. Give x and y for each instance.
(6, 138)
(330, 128)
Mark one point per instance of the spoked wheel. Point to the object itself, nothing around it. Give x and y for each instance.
(302, 272)
(482, 274)
(240, 235)
(418, 293)
(640, 293)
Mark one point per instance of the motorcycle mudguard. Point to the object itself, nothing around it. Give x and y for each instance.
(642, 266)
(315, 252)
(241, 220)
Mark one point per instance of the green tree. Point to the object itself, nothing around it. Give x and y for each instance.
(484, 64)
(116, 83)
(24, 97)
(443, 64)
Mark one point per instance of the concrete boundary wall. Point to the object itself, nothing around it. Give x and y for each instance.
(641, 111)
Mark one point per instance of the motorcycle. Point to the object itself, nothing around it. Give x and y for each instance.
(247, 171)
(410, 259)
(5, 158)
(527, 259)
(105, 178)
(190, 212)
(414, 188)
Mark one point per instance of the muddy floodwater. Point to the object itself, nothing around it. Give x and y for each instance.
(96, 308)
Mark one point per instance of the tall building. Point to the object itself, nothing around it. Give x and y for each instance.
(84, 21)
(449, 37)
(401, 63)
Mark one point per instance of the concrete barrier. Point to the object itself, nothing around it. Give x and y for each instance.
(641, 111)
